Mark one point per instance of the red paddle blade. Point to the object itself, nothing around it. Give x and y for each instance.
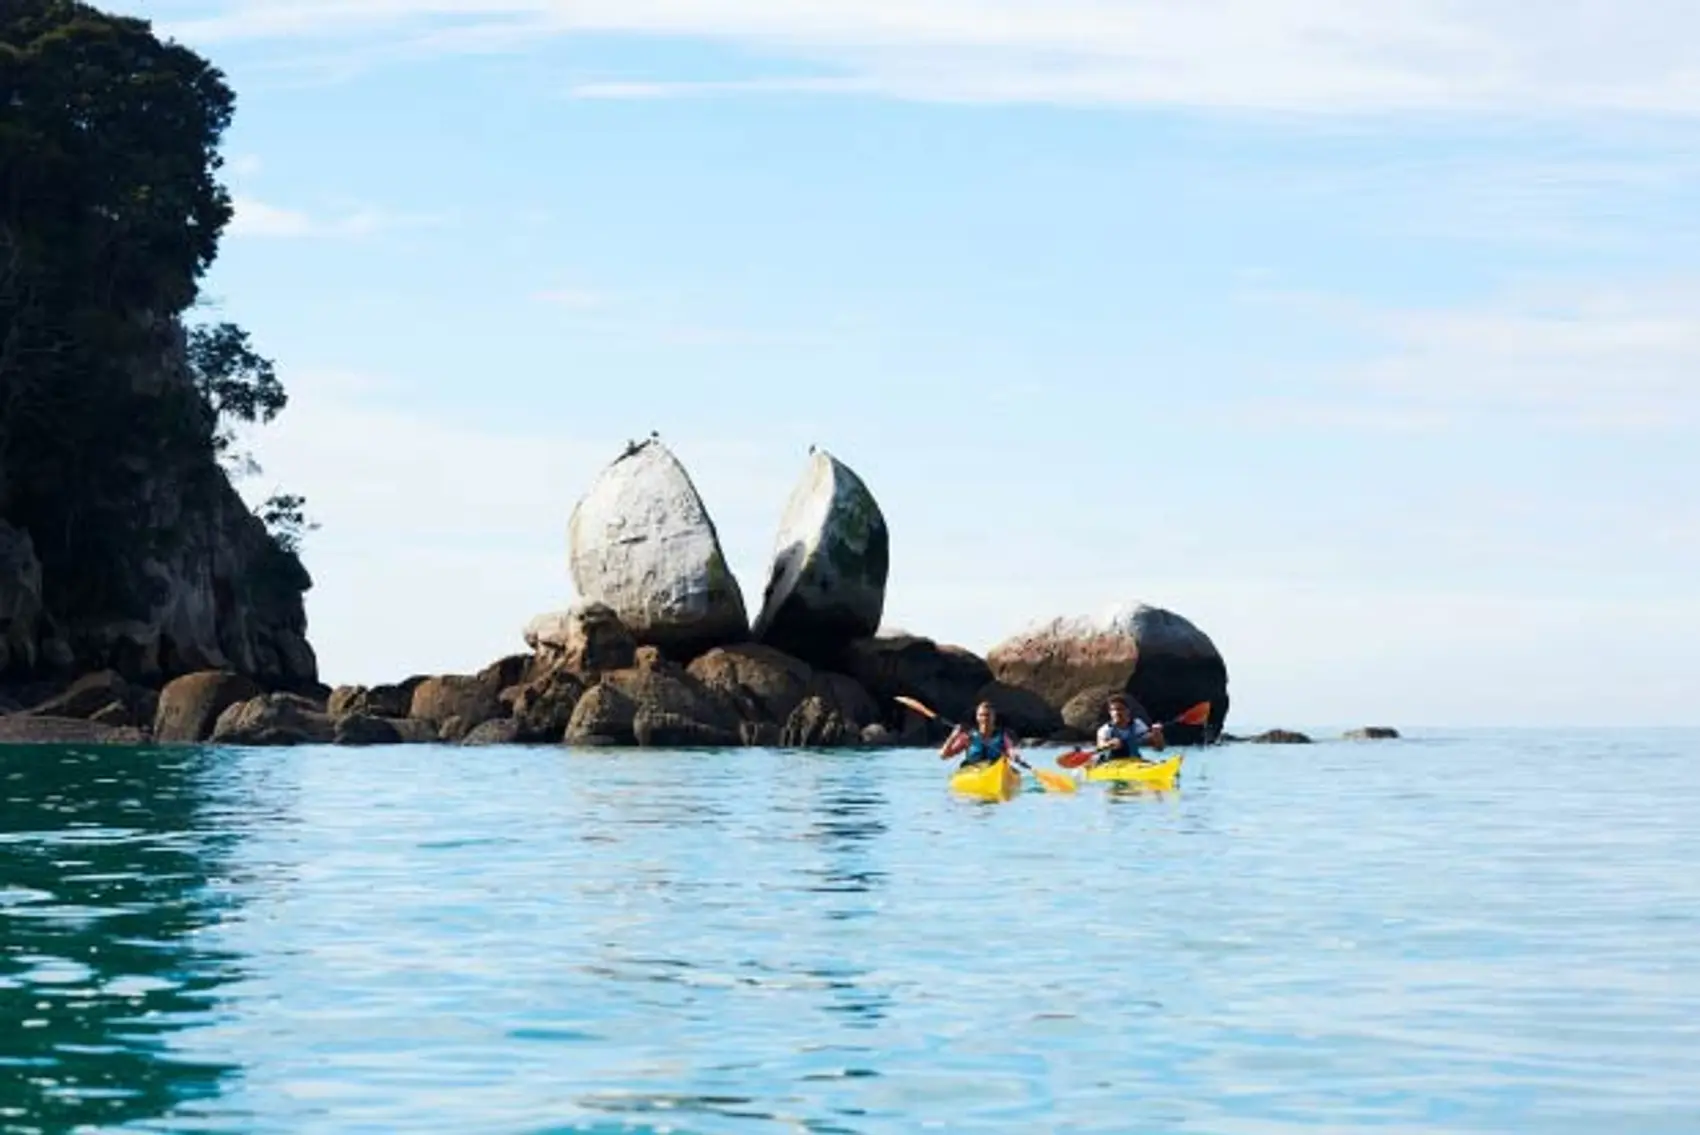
(1197, 715)
(1074, 758)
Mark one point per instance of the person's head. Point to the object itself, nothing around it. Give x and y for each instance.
(1119, 712)
(985, 717)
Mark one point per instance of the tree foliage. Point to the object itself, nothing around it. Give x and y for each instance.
(110, 214)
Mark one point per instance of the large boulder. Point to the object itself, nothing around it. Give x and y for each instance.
(274, 719)
(586, 638)
(470, 698)
(1163, 661)
(642, 543)
(827, 585)
(946, 678)
(189, 706)
(102, 696)
(764, 684)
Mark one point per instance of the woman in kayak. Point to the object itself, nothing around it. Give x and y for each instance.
(1121, 736)
(985, 743)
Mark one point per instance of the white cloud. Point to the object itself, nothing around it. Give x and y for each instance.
(1282, 55)
(256, 218)
(1589, 355)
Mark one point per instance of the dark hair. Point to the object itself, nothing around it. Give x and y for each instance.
(1118, 699)
(986, 705)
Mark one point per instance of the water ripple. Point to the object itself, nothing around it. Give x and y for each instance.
(531, 940)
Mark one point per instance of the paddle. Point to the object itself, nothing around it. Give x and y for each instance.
(1053, 781)
(1195, 715)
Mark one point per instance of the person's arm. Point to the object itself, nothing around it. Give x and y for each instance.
(954, 744)
(1108, 742)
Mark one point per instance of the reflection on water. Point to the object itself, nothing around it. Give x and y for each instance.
(535, 940)
(107, 872)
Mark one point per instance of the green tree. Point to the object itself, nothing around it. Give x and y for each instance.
(110, 215)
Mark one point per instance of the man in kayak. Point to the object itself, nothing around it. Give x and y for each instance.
(985, 743)
(1120, 737)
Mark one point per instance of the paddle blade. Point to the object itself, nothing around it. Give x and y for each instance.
(1075, 758)
(1055, 781)
(1197, 715)
(918, 707)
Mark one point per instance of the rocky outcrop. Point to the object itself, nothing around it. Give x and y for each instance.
(946, 678)
(274, 719)
(1165, 662)
(827, 584)
(187, 578)
(764, 684)
(104, 696)
(586, 638)
(1022, 712)
(642, 544)
(1083, 713)
(1371, 733)
(1279, 737)
(466, 700)
(190, 706)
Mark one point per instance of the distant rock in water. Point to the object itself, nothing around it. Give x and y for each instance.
(827, 586)
(1372, 733)
(1159, 658)
(642, 544)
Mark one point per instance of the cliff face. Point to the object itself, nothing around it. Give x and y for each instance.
(187, 578)
(122, 543)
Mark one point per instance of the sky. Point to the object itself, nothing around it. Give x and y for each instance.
(1365, 335)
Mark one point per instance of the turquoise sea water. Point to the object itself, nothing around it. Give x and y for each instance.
(1470, 932)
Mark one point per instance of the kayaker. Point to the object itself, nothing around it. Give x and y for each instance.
(1120, 737)
(985, 743)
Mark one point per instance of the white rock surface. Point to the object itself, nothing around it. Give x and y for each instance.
(830, 562)
(642, 543)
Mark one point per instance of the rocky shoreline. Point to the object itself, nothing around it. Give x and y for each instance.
(661, 651)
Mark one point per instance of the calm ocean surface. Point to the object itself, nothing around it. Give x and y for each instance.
(1463, 932)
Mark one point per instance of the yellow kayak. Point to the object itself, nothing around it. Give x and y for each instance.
(1156, 774)
(997, 780)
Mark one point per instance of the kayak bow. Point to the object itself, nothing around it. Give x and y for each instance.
(1155, 774)
(989, 780)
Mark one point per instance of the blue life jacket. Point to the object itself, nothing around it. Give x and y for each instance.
(983, 748)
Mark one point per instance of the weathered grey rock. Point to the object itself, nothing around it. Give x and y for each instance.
(1372, 733)
(190, 706)
(817, 724)
(497, 731)
(603, 716)
(274, 719)
(543, 707)
(1278, 737)
(665, 697)
(586, 638)
(946, 678)
(94, 693)
(391, 700)
(472, 698)
(763, 683)
(1165, 662)
(412, 730)
(827, 584)
(642, 543)
(1023, 712)
(876, 735)
(363, 729)
(1086, 711)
